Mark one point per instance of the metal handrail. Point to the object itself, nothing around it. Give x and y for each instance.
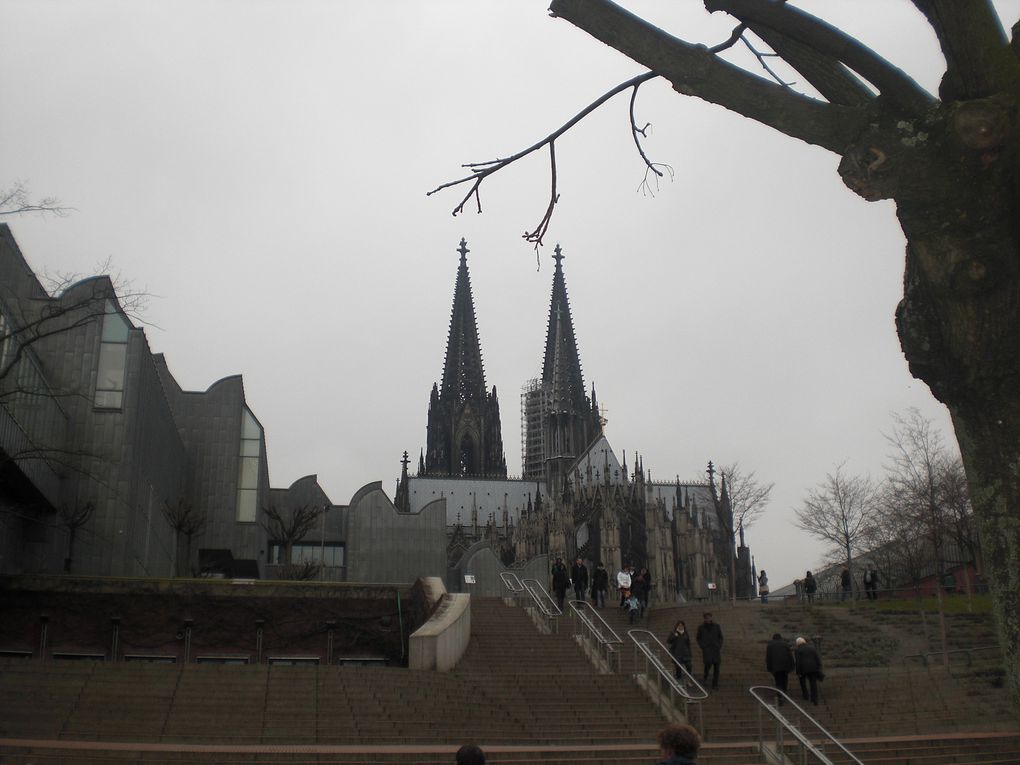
(784, 726)
(969, 651)
(599, 630)
(543, 600)
(512, 582)
(673, 685)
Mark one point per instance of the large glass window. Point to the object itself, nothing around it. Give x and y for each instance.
(112, 359)
(248, 469)
(328, 554)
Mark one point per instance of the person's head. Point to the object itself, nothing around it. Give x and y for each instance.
(808, 575)
(762, 573)
(679, 740)
(680, 626)
(708, 617)
(777, 636)
(578, 561)
(626, 593)
(801, 641)
(559, 560)
(601, 565)
(469, 754)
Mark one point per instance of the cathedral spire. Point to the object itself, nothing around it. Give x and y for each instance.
(463, 423)
(463, 373)
(562, 364)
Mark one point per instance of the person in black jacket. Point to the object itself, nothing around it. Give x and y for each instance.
(599, 586)
(779, 661)
(710, 639)
(579, 578)
(809, 669)
(560, 581)
(679, 642)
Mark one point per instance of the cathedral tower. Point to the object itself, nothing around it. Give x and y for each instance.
(463, 425)
(561, 421)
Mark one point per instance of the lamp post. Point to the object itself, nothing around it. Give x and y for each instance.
(322, 546)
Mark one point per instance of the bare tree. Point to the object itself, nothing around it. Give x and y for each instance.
(302, 571)
(17, 200)
(840, 511)
(950, 164)
(187, 521)
(288, 528)
(73, 518)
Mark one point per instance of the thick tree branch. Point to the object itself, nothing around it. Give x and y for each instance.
(827, 75)
(792, 23)
(978, 58)
(694, 71)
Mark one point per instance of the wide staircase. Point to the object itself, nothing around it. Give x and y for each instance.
(877, 697)
(524, 695)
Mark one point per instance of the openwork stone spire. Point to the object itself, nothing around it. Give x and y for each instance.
(464, 431)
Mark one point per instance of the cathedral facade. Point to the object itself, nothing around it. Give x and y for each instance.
(576, 497)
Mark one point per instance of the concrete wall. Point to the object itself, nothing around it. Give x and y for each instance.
(441, 642)
(384, 545)
(481, 562)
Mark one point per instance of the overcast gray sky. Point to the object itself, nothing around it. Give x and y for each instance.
(260, 166)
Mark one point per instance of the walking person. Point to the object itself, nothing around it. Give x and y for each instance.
(763, 586)
(632, 604)
(560, 581)
(810, 586)
(871, 584)
(710, 639)
(599, 586)
(780, 662)
(679, 642)
(846, 583)
(643, 587)
(579, 578)
(809, 669)
(623, 582)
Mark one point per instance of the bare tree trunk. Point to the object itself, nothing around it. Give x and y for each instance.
(942, 620)
(968, 587)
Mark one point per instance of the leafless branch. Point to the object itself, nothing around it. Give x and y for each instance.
(764, 64)
(288, 528)
(184, 517)
(482, 170)
(17, 200)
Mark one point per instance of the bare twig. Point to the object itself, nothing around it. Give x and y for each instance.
(482, 170)
(17, 200)
(543, 225)
(764, 64)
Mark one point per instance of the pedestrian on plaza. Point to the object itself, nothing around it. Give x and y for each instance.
(871, 584)
(643, 588)
(560, 581)
(679, 744)
(679, 642)
(633, 605)
(470, 755)
(623, 581)
(579, 578)
(763, 586)
(780, 662)
(810, 587)
(710, 640)
(599, 586)
(846, 582)
(809, 669)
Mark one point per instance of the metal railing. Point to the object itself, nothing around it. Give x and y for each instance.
(808, 740)
(544, 603)
(514, 584)
(672, 677)
(588, 623)
(969, 652)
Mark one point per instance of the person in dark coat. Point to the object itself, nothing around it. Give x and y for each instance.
(579, 578)
(809, 669)
(470, 755)
(779, 661)
(642, 588)
(846, 582)
(679, 744)
(560, 581)
(679, 642)
(710, 640)
(599, 586)
(810, 587)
